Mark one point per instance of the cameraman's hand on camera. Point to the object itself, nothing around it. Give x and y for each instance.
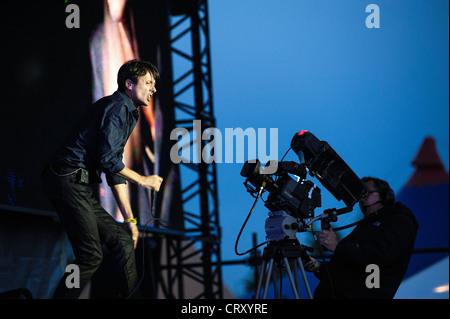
(328, 239)
(312, 265)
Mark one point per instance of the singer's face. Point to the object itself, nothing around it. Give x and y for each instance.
(371, 201)
(141, 92)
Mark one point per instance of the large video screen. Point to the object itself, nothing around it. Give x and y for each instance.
(60, 58)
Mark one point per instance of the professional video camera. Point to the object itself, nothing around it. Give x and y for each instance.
(292, 202)
(300, 198)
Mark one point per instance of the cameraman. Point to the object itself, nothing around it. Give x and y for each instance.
(385, 238)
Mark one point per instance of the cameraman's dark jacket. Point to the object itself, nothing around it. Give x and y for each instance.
(384, 238)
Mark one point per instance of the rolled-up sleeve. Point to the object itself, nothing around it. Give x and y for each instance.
(114, 179)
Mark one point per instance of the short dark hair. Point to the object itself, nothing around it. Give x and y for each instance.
(386, 193)
(133, 70)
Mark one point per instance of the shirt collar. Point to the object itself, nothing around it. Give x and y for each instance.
(129, 104)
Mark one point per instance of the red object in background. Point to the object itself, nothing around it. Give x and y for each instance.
(429, 167)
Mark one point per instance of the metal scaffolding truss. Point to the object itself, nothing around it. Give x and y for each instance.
(195, 256)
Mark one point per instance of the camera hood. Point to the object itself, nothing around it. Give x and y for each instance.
(328, 167)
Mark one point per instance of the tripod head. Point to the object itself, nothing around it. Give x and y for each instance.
(280, 226)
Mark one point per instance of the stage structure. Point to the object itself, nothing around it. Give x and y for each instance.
(185, 53)
(182, 260)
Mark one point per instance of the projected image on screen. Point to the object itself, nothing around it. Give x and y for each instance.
(112, 43)
(56, 85)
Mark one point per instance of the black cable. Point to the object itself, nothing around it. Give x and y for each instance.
(245, 223)
(143, 261)
(285, 154)
(153, 218)
(250, 213)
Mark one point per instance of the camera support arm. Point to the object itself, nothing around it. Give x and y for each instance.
(329, 215)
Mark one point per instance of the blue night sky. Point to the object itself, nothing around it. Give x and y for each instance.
(372, 94)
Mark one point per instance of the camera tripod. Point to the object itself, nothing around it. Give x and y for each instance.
(282, 252)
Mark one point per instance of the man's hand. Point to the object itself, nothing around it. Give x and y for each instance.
(134, 232)
(312, 265)
(328, 239)
(121, 195)
(151, 182)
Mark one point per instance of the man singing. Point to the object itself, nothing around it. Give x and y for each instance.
(96, 145)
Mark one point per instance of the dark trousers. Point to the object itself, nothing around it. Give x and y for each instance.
(88, 226)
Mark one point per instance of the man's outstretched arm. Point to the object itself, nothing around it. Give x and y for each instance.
(150, 182)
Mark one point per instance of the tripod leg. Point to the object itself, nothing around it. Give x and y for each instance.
(269, 273)
(297, 283)
(288, 270)
(305, 280)
(261, 276)
(275, 286)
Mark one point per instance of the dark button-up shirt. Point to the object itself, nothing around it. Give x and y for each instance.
(384, 239)
(98, 140)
